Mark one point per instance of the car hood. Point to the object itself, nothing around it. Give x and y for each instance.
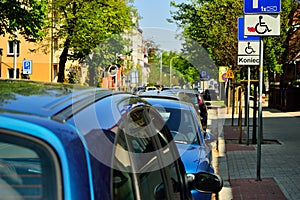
(194, 157)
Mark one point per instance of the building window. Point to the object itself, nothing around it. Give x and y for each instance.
(10, 51)
(11, 73)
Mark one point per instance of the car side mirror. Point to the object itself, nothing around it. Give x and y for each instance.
(205, 182)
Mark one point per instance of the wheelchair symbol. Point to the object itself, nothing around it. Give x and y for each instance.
(249, 49)
(261, 27)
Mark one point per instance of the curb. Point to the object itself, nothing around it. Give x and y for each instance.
(226, 192)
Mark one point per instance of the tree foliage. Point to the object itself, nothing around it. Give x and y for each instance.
(185, 65)
(26, 18)
(82, 25)
(105, 55)
(276, 48)
(213, 24)
(181, 72)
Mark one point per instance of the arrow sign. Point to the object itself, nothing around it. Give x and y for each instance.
(262, 6)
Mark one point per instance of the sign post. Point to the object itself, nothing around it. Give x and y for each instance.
(263, 20)
(248, 46)
(248, 54)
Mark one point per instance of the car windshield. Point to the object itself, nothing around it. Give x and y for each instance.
(181, 124)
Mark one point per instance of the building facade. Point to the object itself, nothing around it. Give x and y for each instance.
(42, 66)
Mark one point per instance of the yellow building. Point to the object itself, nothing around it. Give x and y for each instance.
(44, 65)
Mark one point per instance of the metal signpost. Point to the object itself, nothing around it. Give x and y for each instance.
(262, 19)
(203, 77)
(248, 54)
(248, 46)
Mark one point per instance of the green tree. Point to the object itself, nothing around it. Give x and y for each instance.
(74, 75)
(276, 49)
(181, 71)
(213, 24)
(82, 25)
(198, 59)
(104, 55)
(26, 18)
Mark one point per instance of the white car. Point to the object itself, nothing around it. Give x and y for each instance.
(150, 88)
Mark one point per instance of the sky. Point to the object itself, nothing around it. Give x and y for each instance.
(154, 14)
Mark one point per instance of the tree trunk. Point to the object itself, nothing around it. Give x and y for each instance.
(91, 75)
(62, 63)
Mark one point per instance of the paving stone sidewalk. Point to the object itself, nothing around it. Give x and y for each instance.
(246, 188)
(237, 163)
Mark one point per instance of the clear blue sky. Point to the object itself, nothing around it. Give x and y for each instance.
(154, 14)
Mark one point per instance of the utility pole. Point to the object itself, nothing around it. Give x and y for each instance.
(160, 69)
(15, 49)
(171, 61)
(0, 59)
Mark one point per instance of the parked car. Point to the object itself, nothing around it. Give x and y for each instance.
(198, 100)
(192, 96)
(193, 143)
(67, 142)
(174, 94)
(139, 90)
(150, 88)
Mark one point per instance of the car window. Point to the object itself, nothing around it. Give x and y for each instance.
(28, 168)
(181, 124)
(173, 169)
(193, 97)
(136, 160)
(139, 168)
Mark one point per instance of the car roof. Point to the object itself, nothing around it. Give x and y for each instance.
(176, 94)
(187, 91)
(44, 99)
(167, 102)
(160, 94)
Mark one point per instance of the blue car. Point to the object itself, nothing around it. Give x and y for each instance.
(68, 142)
(193, 143)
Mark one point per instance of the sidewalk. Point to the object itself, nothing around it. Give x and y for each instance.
(237, 163)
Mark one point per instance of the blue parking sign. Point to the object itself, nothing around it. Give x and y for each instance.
(203, 74)
(27, 67)
(262, 6)
(241, 35)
